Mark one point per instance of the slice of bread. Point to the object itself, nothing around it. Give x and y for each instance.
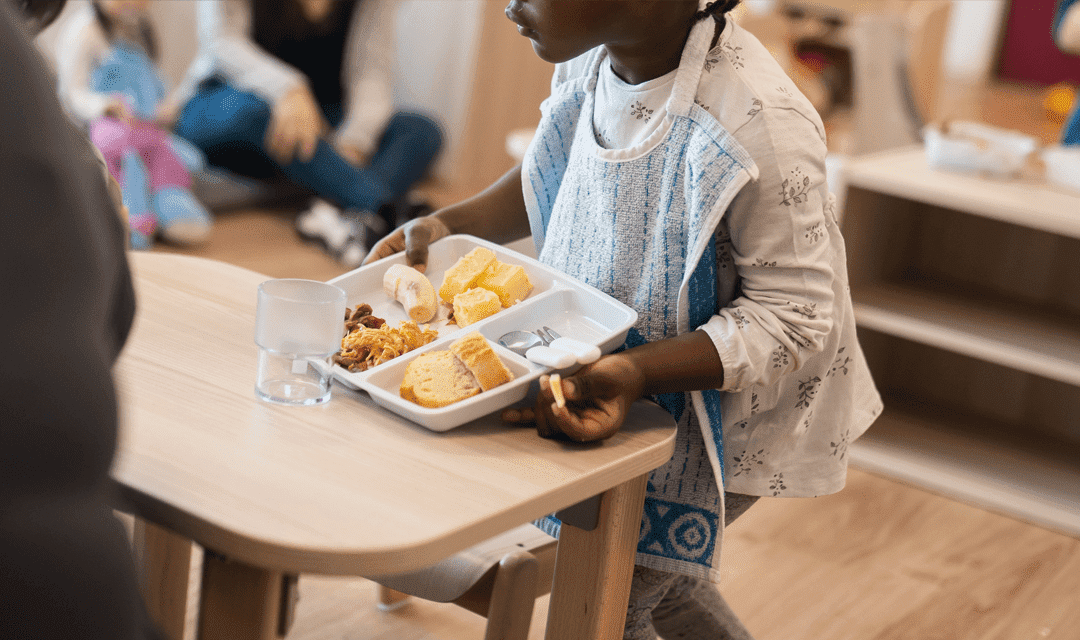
(482, 361)
(461, 276)
(437, 379)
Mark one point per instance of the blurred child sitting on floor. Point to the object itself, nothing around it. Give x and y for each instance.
(109, 81)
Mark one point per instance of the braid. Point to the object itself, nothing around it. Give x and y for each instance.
(716, 9)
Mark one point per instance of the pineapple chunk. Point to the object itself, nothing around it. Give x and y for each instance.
(474, 305)
(508, 281)
(462, 276)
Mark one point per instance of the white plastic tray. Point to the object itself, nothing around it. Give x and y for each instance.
(572, 308)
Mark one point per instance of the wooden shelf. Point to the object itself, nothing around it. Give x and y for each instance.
(979, 300)
(1030, 342)
(906, 175)
(946, 456)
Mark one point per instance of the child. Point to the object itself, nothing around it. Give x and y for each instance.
(303, 88)
(677, 168)
(108, 80)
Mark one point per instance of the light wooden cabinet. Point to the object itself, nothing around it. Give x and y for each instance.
(967, 298)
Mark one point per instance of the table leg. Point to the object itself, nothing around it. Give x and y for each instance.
(164, 560)
(239, 602)
(593, 569)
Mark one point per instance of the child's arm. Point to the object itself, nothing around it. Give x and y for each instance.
(496, 214)
(783, 244)
(368, 65)
(84, 43)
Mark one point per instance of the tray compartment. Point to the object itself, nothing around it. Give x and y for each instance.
(364, 285)
(383, 382)
(572, 313)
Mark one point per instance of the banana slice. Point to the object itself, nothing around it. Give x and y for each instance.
(413, 290)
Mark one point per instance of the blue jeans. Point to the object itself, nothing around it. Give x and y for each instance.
(229, 126)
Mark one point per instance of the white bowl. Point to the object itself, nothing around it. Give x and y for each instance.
(979, 148)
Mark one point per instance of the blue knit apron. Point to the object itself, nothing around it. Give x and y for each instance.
(639, 225)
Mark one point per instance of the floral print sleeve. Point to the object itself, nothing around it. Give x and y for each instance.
(777, 240)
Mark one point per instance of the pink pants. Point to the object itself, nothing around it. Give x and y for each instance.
(115, 137)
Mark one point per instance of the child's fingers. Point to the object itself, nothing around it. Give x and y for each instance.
(307, 146)
(417, 239)
(572, 424)
(518, 416)
(275, 144)
(571, 389)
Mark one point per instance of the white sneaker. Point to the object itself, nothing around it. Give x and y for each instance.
(339, 236)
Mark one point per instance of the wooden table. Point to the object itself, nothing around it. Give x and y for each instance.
(345, 488)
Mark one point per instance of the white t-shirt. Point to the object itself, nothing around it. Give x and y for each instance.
(626, 114)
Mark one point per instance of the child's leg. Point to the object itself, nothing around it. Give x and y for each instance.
(228, 125)
(694, 608)
(181, 217)
(648, 588)
(112, 137)
(678, 606)
(135, 187)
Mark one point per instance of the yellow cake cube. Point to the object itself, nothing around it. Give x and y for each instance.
(462, 276)
(508, 281)
(474, 305)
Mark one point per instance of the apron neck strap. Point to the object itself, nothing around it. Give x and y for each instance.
(691, 66)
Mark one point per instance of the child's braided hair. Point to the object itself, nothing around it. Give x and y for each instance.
(716, 9)
(40, 12)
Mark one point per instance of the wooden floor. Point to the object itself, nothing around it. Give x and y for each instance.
(880, 560)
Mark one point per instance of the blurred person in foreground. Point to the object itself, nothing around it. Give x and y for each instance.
(65, 567)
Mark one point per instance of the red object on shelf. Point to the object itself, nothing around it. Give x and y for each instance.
(1028, 52)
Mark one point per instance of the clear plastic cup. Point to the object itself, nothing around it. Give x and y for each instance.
(298, 326)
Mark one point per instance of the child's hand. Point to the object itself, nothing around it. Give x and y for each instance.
(598, 397)
(167, 115)
(352, 154)
(116, 108)
(413, 238)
